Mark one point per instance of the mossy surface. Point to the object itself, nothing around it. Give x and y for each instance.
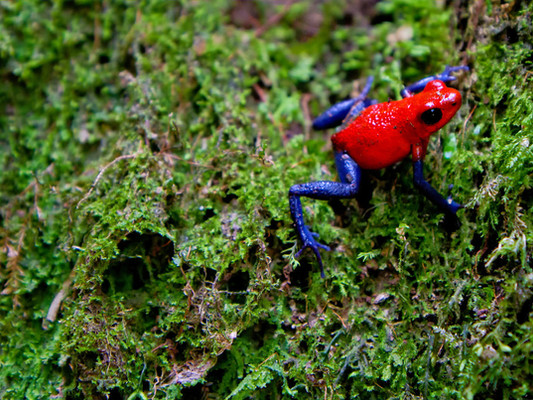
(146, 153)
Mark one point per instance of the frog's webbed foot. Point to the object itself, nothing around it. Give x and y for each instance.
(309, 241)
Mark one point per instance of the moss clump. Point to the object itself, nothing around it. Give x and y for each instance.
(147, 246)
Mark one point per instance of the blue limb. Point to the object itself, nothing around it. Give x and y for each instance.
(336, 114)
(350, 175)
(448, 206)
(416, 87)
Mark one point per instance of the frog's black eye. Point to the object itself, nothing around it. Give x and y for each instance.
(431, 116)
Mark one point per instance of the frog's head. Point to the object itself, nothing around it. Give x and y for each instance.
(437, 104)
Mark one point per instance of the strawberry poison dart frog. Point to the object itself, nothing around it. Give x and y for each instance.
(373, 136)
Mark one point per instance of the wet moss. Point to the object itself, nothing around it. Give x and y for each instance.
(147, 247)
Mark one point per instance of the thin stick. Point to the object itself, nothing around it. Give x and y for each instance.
(99, 176)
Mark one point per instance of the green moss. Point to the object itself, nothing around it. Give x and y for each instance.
(147, 247)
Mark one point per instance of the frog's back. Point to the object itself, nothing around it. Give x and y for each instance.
(380, 136)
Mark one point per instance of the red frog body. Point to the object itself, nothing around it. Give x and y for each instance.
(386, 133)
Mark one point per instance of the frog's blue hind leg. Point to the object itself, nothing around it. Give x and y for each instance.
(350, 175)
(345, 110)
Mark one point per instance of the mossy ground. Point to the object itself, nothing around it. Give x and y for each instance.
(147, 249)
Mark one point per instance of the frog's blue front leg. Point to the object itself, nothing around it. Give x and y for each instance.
(347, 109)
(445, 77)
(350, 175)
(448, 206)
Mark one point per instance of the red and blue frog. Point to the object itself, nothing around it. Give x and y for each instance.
(374, 136)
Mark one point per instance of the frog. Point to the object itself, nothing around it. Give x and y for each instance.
(372, 136)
